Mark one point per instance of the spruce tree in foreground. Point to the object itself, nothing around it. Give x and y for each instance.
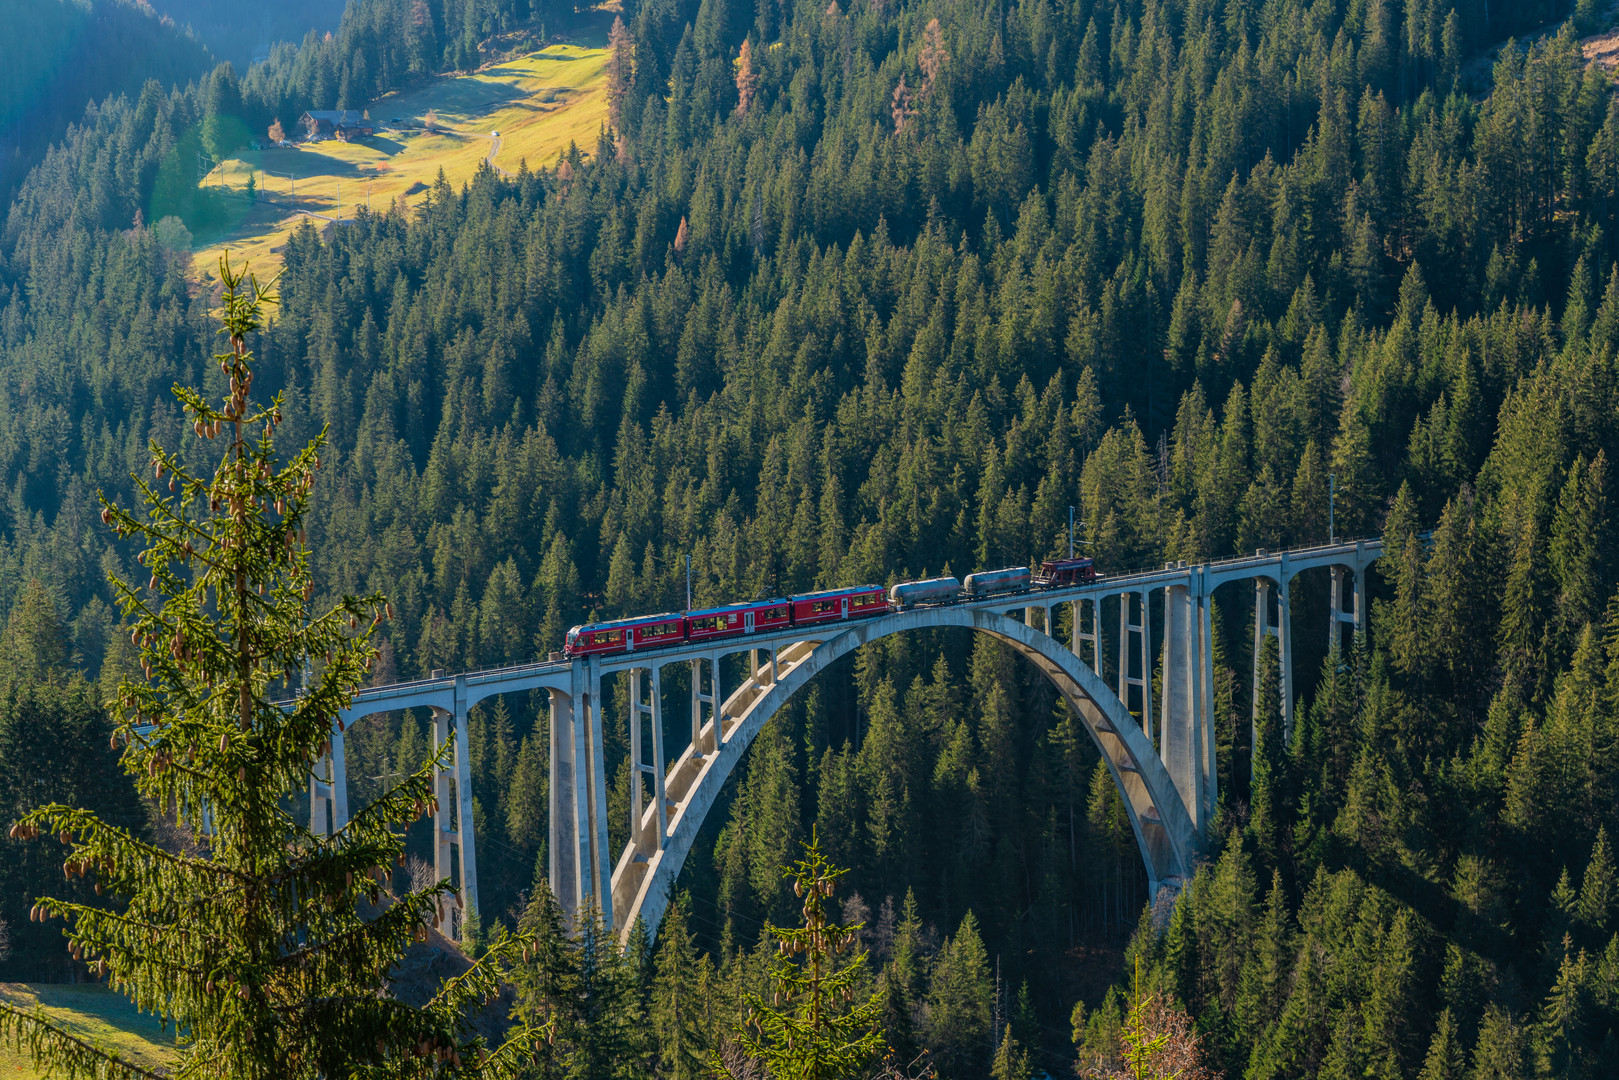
(269, 948)
(810, 1029)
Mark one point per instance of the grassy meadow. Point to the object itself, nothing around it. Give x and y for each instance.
(94, 1013)
(538, 102)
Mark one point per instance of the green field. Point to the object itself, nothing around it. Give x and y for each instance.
(538, 102)
(94, 1013)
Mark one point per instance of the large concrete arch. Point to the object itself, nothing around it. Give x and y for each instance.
(1169, 843)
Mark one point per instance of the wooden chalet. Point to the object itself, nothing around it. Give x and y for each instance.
(342, 124)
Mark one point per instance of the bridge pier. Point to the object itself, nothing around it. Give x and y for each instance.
(1081, 637)
(581, 868)
(328, 787)
(711, 698)
(1335, 602)
(1135, 645)
(454, 852)
(1205, 621)
(1184, 723)
(647, 829)
(1282, 629)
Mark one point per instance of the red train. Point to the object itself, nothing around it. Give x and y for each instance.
(808, 609)
(652, 631)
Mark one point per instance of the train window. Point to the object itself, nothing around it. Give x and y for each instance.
(775, 613)
(821, 607)
(712, 622)
(608, 637)
(867, 601)
(661, 630)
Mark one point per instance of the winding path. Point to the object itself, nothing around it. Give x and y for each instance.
(494, 148)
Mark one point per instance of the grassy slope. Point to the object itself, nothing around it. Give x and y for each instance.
(538, 103)
(94, 1013)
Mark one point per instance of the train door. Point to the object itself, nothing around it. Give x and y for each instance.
(845, 608)
(747, 622)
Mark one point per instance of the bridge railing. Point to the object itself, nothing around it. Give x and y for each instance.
(1122, 577)
(1260, 555)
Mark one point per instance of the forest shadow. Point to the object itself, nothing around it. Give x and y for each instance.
(314, 163)
(589, 28)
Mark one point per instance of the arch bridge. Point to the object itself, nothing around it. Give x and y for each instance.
(1163, 763)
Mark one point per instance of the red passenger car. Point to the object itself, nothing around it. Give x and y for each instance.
(736, 619)
(625, 635)
(834, 604)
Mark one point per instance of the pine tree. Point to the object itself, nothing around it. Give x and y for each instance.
(1011, 1060)
(547, 980)
(1266, 809)
(901, 983)
(1445, 1060)
(1157, 1041)
(1499, 1053)
(604, 1029)
(1561, 1039)
(1596, 891)
(35, 643)
(810, 1029)
(620, 71)
(747, 80)
(256, 943)
(960, 1010)
(682, 985)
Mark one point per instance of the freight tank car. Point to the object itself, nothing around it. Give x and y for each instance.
(909, 594)
(1014, 579)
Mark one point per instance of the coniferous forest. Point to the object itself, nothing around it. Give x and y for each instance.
(865, 293)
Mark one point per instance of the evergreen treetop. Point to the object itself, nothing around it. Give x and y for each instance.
(810, 1029)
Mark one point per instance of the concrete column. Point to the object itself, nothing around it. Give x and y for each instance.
(1146, 663)
(650, 712)
(1284, 631)
(318, 790)
(658, 769)
(711, 698)
(466, 848)
(717, 705)
(1335, 607)
(1091, 636)
(564, 848)
(1261, 628)
(1124, 649)
(1360, 599)
(443, 830)
(1181, 741)
(340, 782)
(637, 767)
(601, 860)
(1141, 648)
(696, 708)
(1205, 662)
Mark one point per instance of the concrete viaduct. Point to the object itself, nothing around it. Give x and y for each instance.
(1164, 764)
